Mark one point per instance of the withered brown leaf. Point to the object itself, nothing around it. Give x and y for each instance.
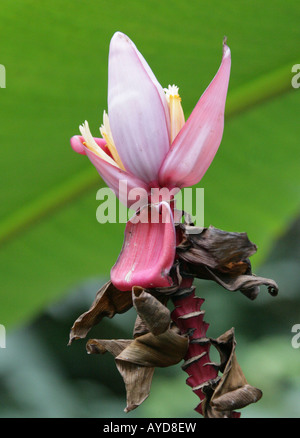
(137, 379)
(109, 301)
(154, 314)
(231, 391)
(221, 256)
(163, 350)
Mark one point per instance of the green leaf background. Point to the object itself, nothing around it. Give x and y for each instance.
(55, 55)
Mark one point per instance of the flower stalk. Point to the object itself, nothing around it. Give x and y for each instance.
(189, 317)
(216, 401)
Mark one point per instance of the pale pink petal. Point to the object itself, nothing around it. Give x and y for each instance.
(159, 88)
(148, 251)
(137, 110)
(198, 141)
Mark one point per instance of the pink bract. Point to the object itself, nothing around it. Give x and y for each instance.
(139, 124)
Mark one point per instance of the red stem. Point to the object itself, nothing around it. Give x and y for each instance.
(188, 317)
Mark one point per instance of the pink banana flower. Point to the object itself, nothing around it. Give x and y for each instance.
(147, 143)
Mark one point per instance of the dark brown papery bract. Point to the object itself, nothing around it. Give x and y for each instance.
(157, 342)
(220, 256)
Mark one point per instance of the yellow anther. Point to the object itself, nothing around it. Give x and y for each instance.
(107, 135)
(176, 112)
(91, 144)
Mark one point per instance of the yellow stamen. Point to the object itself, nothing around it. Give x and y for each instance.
(90, 143)
(176, 112)
(107, 135)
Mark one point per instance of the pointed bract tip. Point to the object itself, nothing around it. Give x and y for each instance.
(116, 35)
(226, 49)
(120, 37)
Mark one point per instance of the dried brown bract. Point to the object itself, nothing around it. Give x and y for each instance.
(231, 391)
(158, 344)
(221, 256)
(109, 301)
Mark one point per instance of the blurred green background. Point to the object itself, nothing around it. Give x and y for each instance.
(54, 255)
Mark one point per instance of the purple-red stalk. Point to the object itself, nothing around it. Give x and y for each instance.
(188, 317)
